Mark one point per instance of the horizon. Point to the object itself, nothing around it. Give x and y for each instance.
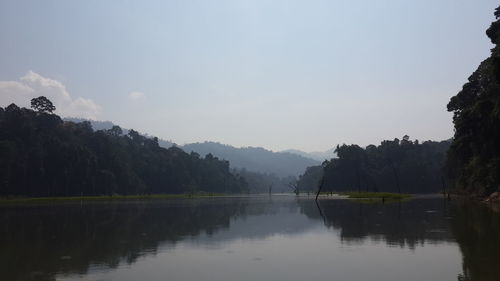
(281, 75)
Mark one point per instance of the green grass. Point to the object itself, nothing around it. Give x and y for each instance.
(107, 197)
(376, 195)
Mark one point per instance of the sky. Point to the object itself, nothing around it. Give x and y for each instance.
(273, 73)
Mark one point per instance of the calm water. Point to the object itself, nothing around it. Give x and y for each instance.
(278, 238)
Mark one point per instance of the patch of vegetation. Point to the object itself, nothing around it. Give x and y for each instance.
(376, 195)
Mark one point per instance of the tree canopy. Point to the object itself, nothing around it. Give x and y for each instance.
(473, 162)
(45, 156)
(393, 166)
(42, 104)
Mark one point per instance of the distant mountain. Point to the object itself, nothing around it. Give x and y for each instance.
(316, 155)
(255, 159)
(106, 125)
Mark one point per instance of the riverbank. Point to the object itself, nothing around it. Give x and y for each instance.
(108, 197)
(376, 195)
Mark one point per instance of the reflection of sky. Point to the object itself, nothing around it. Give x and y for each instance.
(260, 227)
(311, 255)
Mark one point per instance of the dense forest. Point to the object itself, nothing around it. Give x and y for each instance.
(403, 166)
(473, 162)
(106, 125)
(253, 159)
(256, 165)
(43, 155)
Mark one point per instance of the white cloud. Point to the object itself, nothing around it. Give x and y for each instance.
(33, 85)
(136, 96)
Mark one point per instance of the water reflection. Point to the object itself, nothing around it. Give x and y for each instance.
(408, 223)
(38, 242)
(477, 230)
(66, 241)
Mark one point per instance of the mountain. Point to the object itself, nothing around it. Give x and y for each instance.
(316, 155)
(255, 159)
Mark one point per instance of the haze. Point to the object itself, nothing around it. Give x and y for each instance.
(277, 74)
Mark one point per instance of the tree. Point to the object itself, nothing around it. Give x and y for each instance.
(293, 185)
(392, 166)
(473, 161)
(40, 155)
(115, 131)
(42, 104)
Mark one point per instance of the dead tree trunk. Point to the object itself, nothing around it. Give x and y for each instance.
(320, 187)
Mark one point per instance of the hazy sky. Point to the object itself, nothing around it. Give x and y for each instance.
(279, 74)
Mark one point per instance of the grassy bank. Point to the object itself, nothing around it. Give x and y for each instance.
(107, 197)
(377, 195)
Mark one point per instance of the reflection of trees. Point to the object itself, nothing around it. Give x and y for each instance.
(404, 223)
(477, 231)
(37, 242)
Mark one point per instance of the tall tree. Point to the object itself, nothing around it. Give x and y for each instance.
(473, 162)
(42, 104)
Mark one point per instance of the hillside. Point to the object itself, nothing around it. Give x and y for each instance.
(255, 159)
(316, 155)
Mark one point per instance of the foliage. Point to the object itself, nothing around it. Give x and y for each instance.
(380, 195)
(401, 166)
(311, 178)
(42, 104)
(43, 156)
(473, 161)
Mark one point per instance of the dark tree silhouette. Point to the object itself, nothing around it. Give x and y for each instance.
(473, 162)
(41, 155)
(393, 166)
(42, 104)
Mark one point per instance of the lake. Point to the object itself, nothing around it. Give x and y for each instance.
(250, 238)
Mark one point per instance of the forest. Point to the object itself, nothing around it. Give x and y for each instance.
(403, 166)
(43, 156)
(473, 163)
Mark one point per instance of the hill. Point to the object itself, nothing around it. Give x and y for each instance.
(316, 155)
(255, 159)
